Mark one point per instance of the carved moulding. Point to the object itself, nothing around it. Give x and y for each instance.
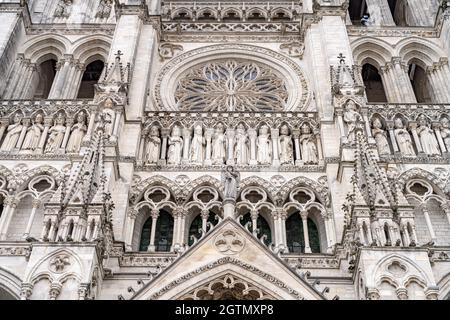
(295, 80)
(228, 260)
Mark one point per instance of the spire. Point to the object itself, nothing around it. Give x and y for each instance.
(371, 179)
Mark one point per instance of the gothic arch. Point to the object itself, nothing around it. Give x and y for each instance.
(370, 50)
(202, 181)
(92, 48)
(320, 190)
(211, 271)
(421, 49)
(412, 269)
(421, 174)
(48, 45)
(21, 181)
(138, 189)
(75, 268)
(10, 282)
(262, 183)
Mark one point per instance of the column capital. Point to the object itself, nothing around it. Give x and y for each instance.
(402, 293)
(373, 294)
(154, 213)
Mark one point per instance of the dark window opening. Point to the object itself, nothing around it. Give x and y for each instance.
(374, 84)
(164, 232)
(262, 225)
(357, 10)
(419, 82)
(295, 235)
(90, 78)
(46, 75)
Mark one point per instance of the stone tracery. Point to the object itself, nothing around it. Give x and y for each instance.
(231, 85)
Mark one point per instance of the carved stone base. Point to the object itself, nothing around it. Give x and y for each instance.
(229, 206)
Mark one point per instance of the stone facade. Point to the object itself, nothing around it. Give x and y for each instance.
(224, 150)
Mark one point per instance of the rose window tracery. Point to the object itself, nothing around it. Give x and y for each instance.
(231, 85)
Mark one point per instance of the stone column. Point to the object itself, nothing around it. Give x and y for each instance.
(17, 91)
(298, 157)
(25, 92)
(437, 130)
(47, 124)
(164, 136)
(11, 205)
(380, 12)
(205, 216)
(14, 77)
(186, 145)
(252, 134)
(254, 217)
(406, 239)
(4, 123)
(208, 137)
(141, 158)
(319, 146)
(275, 136)
(69, 123)
(304, 216)
(61, 77)
(35, 205)
(91, 124)
(26, 124)
(115, 131)
(446, 207)
(424, 209)
(154, 214)
(389, 86)
(340, 120)
(230, 146)
(390, 127)
(413, 128)
(403, 83)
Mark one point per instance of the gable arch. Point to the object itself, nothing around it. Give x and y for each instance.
(92, 48)
(414, 270)
(377, 51)
(418, 173)
(10, 282)
(46, 46)
(139, 188)
(21, 181)
(40, 269)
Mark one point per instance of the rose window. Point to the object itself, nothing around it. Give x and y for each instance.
(231, 85)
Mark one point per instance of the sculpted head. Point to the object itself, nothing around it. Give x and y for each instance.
(264, 129)
(109, 103)
(219, 128)
(398, 123)
(422, 120)
(60, 119)
(284, 130)
(176, 131)
(445, 123)
(377, 123)
(81, 118)
(240, 127)
(17, 118)
(350, 106)
(198, 130)
(39, 118)
(306, 129)
(154, 132)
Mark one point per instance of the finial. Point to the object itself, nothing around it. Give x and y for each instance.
(341, 58)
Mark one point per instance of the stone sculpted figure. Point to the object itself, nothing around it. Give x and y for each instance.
(380, 137)
(351, 118)
(230, 180)
(197, 146)
(34, 133)
(78, 131)
(427, 138)
(218, 145)
(286, 146)
(63, 8)
(403, 138)
(241, 149)
(175, 146)
(153, 146)
(264, 145)
(13, 134)
(308, 145)
(104, 9)
(56, 135)
(445, 132)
